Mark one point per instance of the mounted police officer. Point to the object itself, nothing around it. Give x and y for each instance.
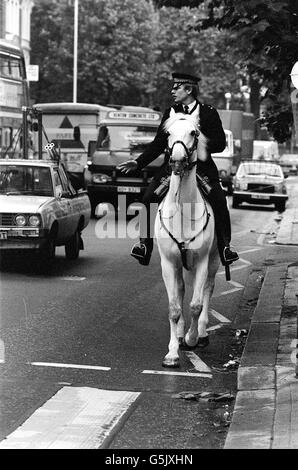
(185, 92)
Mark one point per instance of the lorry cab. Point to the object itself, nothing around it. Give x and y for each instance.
(122, 135)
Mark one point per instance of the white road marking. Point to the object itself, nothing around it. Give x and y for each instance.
(2, 351)
(236, 268)
(249, 251)
(236, 284)
(71, 366)
(226, 292)
(197, 362)
(219, 316)
(215, 327)
(185, 374)
(74, 418)
(72, 278)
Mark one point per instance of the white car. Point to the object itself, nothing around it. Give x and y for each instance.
(39, 208)
(260, 182)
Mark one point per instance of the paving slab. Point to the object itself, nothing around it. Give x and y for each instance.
(253, 415)
(256, 378)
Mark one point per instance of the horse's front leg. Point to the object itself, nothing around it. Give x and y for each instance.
(197, 303)
(173, 279)
(214, 262)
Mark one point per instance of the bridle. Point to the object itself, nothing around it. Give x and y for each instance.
(187, 165)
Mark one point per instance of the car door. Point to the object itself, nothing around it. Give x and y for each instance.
(72, 197)
(63, 208)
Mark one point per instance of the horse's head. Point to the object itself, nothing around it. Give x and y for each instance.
(183, 135)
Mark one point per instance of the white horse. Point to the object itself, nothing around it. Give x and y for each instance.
(186, 239)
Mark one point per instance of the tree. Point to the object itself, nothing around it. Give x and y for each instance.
(266, 32)
(181, 46)
(114, 54)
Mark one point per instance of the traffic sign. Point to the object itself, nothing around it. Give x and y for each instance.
(32, 72)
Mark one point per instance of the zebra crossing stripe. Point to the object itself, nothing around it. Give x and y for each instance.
(69, 366)
(74, 418)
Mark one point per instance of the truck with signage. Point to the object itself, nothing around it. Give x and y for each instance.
(122, 135)
(70, 127)
(239, 130)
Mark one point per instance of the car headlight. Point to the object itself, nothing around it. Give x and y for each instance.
(101, 178)
(34, 220)
(20, 220)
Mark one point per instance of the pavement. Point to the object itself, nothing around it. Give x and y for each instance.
(265, 414)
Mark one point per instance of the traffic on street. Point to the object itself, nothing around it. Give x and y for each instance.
(97, 328)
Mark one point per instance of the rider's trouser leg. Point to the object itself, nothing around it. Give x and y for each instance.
(218, 203)
(143, 251)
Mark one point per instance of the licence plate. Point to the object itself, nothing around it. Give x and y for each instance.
(3, 235)
(128, 189)
(260, 196)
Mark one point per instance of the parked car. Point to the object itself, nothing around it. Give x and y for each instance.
(260, 182)
(40, 209)
(289, 163)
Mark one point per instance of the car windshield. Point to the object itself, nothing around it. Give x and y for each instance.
(125, 137)
(23, 179)
(260, 168)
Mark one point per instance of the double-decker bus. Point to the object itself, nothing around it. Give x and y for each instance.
(14, 93)
(70, 126)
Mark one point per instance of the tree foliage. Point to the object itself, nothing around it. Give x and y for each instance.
(114, 54)
(266, 34)
(127, 52)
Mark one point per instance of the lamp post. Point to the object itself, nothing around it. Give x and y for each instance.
(228, 98)
(75, 51)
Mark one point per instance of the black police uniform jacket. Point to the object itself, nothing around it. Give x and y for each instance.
(210, 126)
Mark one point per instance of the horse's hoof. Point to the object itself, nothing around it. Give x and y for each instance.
(171, 363)
(203, 342)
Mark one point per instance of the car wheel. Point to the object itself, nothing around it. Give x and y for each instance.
(235, 203)
(280, 206)
(72, 247)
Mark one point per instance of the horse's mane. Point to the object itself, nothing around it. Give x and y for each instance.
(177, 117)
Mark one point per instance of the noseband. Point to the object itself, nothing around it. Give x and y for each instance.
(186, 164)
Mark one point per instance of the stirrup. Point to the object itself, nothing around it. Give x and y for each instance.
(136, 255)
(232, 260)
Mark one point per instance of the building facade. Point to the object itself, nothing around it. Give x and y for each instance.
(15, 16)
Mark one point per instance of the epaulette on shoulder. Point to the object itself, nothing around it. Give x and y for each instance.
(208, 106)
